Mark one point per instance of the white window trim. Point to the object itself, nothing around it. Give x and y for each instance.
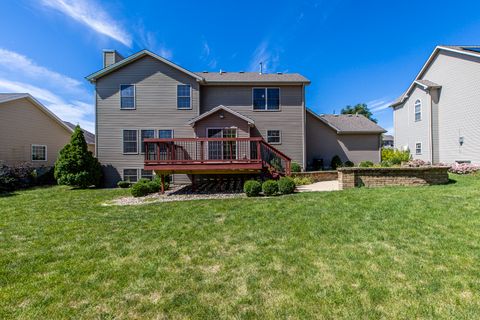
(191, 94)
(140, 141)
(39, 145)
(416, 149)
(141, 176)
(415, 110)
(134, 96)
(136, 169)
(279, 131)
(123, 140)
(266, 99)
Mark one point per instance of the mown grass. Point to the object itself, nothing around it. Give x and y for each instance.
(364, 253)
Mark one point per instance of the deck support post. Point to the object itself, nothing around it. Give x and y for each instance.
(163, 184)
(194, 187)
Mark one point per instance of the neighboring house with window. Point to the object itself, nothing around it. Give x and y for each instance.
(352, 137)
(437, 117)
(387, 141)
(210, 122)
(29, 132)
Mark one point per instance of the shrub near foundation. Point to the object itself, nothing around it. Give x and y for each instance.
(252, 188)
(270, 188)
(286, 185)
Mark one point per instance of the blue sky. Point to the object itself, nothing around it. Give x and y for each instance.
(352, 51)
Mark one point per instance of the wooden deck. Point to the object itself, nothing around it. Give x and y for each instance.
(213, 156)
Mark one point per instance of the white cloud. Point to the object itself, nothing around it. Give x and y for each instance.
(207, 57)
(263, 54)
(93, 16)
(383, 106)
(148, 40)
(14, 61)
(72, 111)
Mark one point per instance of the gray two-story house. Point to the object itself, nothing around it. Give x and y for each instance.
(155, 116)
(437, 117)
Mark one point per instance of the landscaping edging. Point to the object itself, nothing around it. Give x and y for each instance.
(382, 177)
(317, 176)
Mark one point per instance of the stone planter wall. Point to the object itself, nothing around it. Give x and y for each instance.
(382, 177)
(318, 176)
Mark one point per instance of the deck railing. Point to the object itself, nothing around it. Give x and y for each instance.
(184, 151)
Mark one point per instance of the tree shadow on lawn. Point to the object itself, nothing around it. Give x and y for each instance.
(6, 194)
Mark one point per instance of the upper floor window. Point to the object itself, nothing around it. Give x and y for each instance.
(39, 152)
(127, 96)
(266, 99)
(274, 136)
(130, 142)
(183, 96)
(418, 110)
(418, 148)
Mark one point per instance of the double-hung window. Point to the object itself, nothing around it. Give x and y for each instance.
(147, 174)
(130, 141)
(266, 99)
(127, 96)
(418, 110)
(165, 134)
(130, 175)
(183, 96)
(146, 134)
(418, 148)
(274, 136)
(39, 152)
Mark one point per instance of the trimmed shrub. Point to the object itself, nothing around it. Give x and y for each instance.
(349, 164)
(157, 182)
(270, 187)
(336, 162)
(295, 167)
(395, 156)
(45, 176)
(365, 164)
(386, 164)
(16, 177)
(141, 188)
(286, 185)
(124, 184)
(300, 181)
(252, 188)
(76, 166)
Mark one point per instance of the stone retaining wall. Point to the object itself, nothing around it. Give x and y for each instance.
(381, 177)
(318, 176)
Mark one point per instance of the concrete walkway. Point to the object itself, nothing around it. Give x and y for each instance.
(319, 186)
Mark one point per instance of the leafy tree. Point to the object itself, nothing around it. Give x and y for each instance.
(360, 108)
(76, 166)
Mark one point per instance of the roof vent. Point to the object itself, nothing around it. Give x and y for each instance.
(241, 72)
(222, 72)
(279, 72)
(205, 71)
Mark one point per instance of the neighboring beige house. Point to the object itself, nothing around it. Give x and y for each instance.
(350, 136)
(29, 132)
(210, 122)
(438, 117)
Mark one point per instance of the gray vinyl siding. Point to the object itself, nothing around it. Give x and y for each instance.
(409, 132)
(323, 143)
(289, 119)
(455, 111)
(459, 109)
(156, 108)
(23, 124)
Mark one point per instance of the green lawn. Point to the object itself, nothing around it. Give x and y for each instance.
(363, 253)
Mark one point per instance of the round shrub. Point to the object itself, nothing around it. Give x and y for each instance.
(286, 185)
(349, 164)
(252, 188)
(270, 187)
(124, 184)
(365, 164)
(140, 189)
(300, 181)
(336, 162)
(157, 181)
(295, 167)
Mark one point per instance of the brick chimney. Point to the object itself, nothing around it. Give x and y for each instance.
(110, 57)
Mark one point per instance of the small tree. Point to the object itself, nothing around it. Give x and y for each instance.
(76, 166)
(359, 108)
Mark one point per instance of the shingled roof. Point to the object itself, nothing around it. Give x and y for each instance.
(251, 77)
(349, 123)
(89, 137)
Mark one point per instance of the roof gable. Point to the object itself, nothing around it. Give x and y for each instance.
(134, 57)
(192, 122)
(349, 123)
(7, 97)
(464, 50)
